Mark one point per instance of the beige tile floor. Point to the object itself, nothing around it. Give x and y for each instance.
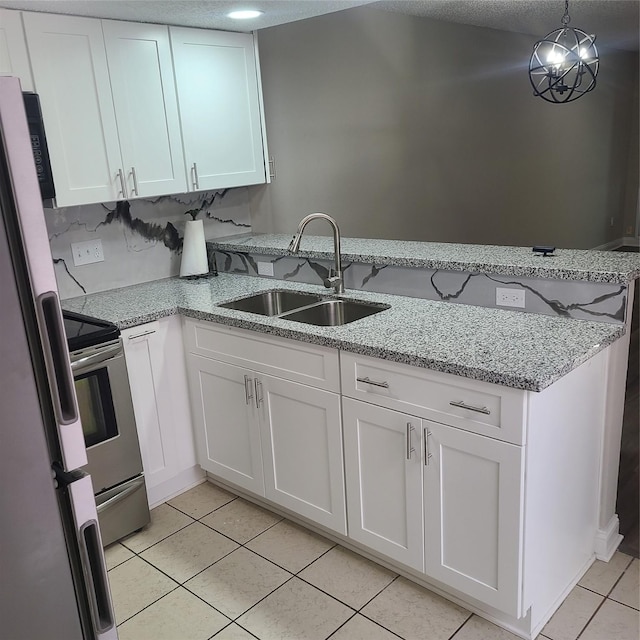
(211, 565)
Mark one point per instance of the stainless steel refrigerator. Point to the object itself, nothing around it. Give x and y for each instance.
(53, 580)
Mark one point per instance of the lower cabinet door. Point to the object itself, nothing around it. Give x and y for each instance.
(473, 515)
(226, 426)
(384, 481)
(302, 450)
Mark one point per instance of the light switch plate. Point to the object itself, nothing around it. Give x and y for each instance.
(265, 268)
(87, 252)
(510, 297)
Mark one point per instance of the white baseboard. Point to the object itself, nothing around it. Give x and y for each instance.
(608, 246)
(171, 488)
(627, 241)
(608, 540)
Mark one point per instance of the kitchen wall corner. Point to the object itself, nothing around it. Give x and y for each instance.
(141, 239)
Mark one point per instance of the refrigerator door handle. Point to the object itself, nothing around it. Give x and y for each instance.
(92, 557)
(56, 355)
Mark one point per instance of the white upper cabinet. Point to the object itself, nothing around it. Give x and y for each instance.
(141, 72)
(218, 97)
(72, 78)
(14, 59)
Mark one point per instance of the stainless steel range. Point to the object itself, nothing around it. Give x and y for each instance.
(108, 424)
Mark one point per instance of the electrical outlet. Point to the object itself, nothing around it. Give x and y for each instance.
(510, 297)
(611, 221)
(87, 252)
(265, 268)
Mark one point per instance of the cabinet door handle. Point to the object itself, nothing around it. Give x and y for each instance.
(248, 394)
(410, 449)
(462, 405)
(259, 397)
(140, 335)
(194, 176)
(123, 189)
(425, 438)
(135, 181)
(373, 383)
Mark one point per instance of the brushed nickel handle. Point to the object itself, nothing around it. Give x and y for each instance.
(123, 189)
(194, 175)
(373, 383)
(259, 397)
(140, 335)
(425, 438)
(248, 395)
(135, 180)
(410, 449)
(462, 405)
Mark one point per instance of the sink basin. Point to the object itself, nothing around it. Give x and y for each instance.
(273, 303)
(333, 313)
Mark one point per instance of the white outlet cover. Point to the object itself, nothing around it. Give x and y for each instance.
(265, 268)
(87, 252)
(510, 298)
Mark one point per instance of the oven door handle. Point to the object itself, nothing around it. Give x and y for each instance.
(134, 486)
(106, 353)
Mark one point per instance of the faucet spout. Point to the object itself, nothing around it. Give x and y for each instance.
(335, 279)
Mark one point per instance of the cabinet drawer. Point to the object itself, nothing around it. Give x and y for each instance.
(480, 407)
(297, 361)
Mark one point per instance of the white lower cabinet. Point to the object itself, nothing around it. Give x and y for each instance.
(473, 507)
(302, 449)
(383, 471)
(440, 500)
(227, 432)
(157, 376)
(434, 465)
(276, 438)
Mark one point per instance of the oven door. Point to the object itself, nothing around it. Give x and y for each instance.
(106, 412)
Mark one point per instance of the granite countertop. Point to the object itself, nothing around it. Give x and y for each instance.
(567, 264)
(520, 350)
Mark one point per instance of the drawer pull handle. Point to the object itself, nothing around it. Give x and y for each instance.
(139, 335)
(462, 405)
(384, 385)
(410, 449)
(425, 438)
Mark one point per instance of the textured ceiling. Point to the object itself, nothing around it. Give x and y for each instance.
(616, 22)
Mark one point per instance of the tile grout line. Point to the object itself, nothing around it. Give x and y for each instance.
(605, 598)
(455, 633)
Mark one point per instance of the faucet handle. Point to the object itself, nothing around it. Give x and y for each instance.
(333, 280)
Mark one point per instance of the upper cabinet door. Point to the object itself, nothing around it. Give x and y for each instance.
(14, 60)
(219, 107)
(71, 76)
(142, 84)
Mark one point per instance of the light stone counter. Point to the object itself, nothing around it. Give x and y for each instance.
(566, 264)
(525, 351)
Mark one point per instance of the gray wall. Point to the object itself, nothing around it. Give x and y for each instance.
(410, 128)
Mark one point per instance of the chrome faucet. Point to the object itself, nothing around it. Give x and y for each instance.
(335, 278)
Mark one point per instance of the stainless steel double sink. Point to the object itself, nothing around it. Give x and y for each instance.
(309, 308)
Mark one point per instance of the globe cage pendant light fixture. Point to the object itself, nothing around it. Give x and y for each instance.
(564, 64)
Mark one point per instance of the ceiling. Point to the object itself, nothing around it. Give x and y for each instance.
(616, 22)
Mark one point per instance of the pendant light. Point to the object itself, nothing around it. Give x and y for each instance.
(564, 64)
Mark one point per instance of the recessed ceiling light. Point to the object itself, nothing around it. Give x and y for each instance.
(244, 15)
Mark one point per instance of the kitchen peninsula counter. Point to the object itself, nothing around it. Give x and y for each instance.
(510, 348)
(565, 264)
